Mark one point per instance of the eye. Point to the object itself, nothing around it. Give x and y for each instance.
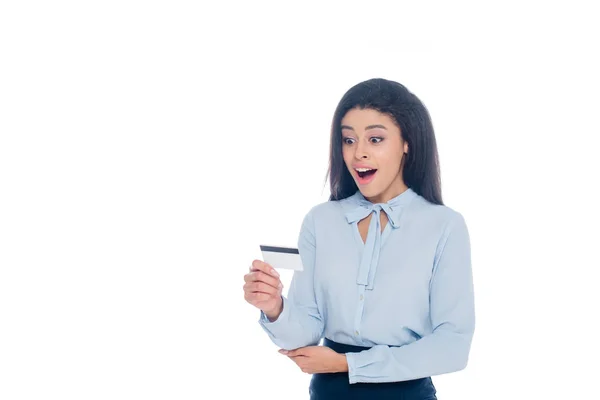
(376, 139)
(347, 140)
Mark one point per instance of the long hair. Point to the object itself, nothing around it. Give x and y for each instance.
(421, 171)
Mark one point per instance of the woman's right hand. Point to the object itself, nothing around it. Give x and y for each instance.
(263, 289)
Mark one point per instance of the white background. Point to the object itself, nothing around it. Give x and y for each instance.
(147, 148)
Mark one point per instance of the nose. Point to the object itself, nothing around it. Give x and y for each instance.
(361, 151)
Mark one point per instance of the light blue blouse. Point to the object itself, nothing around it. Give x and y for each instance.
(407, 292)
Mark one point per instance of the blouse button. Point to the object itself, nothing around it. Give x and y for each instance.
(361, 297)
(356, 333)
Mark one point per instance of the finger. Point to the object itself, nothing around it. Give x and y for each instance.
(303, 364)
(299, 360)
(260, 276)
(290, 353)
(261, 288)
(258, 265)
(257, 297)
(276, 286)
(296, 352)
(294, 360)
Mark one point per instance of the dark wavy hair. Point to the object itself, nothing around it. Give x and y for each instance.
(421, 171)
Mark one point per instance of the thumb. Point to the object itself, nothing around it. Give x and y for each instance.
(293, 353)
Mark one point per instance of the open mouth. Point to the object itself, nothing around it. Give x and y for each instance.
(366, 174)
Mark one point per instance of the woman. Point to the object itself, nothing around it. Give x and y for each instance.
(387, 281)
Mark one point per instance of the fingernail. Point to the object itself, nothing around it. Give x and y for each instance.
(274, 273)
(283, 351)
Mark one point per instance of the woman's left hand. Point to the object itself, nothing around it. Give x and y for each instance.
(317, 359)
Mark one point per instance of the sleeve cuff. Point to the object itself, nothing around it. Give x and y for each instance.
(272, 327)
(351, 360)
(361, 365)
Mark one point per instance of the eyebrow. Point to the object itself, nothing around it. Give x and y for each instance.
(367, 128)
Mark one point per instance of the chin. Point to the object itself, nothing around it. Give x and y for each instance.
(369, 192)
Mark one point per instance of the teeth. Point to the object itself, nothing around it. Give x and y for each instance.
(364, 169)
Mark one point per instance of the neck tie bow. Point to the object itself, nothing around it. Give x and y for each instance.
(372, 247)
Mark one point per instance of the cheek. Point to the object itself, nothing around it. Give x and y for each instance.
(391, 161)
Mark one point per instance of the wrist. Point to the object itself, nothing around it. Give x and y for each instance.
(343, 363)
(273, 315)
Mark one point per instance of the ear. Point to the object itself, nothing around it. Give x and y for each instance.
(405, 147)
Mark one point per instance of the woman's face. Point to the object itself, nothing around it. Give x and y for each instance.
(371, 141)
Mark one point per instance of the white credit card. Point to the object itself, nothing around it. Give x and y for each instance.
(282, 257)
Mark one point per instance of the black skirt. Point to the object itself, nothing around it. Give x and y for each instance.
(334, 386)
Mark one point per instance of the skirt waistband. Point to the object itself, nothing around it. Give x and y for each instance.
(342, 347)
(325, 386)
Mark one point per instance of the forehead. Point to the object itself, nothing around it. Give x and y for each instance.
(360, 119)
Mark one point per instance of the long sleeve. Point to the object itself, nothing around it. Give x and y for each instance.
(452, 314)
(300, 323)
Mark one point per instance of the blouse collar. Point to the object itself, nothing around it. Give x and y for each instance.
(360, 207)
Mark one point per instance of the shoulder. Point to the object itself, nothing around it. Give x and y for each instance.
(441, 217)
(327, 215)
(324, 211)
(331, 208)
